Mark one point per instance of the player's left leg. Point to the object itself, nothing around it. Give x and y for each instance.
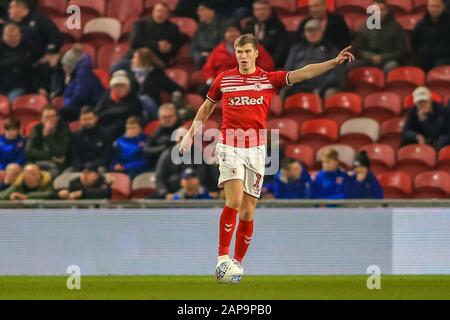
(245, 228)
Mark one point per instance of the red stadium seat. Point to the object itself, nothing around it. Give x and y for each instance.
(183, 60)
(444, 159)
(366, 80)
(408, 101)
(58, 102)
(29, 126)
(143, 185)
(5, 108)
(196, 79)
(103, 76)
(400, 7)
(358, 132)
(121, 185)
(438, 80)
(288, 128)
(179, 76)
(284, 7)
(342, 106)
(102, 31)
(70, 35)
(124, 10)
(194, 101)
(403, 80)
(346, 154)
(97, 6)
(319, 132)
(151, 127)
(127, 28)
(302, 106)
(88, 48)
(396, 185)
(382, 157)
(409, 22)
(414, 159)
(28, 108)
(54, 7)
(276, 106)
(110, 54)
(432, 185)
(355, 23)
(353, 9)
(302, 153)
(291, 24)
(382, 106)
(391, 132)
(186, 25)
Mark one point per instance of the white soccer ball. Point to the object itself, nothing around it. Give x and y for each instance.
(229, 271)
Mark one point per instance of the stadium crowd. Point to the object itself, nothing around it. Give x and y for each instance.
(74, 127)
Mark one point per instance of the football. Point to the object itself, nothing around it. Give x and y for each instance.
(229, 271)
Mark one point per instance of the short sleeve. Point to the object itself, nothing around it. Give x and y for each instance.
(279, 79)
(214, 94)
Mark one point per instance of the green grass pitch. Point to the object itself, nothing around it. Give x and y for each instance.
(205, 287)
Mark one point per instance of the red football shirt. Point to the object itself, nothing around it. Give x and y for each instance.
(245, 101)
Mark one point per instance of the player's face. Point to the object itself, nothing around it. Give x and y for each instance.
(246, 56)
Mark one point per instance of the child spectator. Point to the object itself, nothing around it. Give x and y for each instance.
(330, 182)
(12, 144)
(292, 181)
(129, 150)
(190, 188)
(363, 184)
(90, 185)
(31, 184)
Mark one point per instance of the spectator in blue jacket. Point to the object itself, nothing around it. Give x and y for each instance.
(330, 182)
(129, 155)
(191, 188)
(82, 85)
(292, 181)
(12, 144)
(363, 184)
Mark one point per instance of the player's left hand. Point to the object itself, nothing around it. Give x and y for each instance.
(345, 55)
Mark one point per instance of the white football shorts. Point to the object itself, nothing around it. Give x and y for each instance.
(246, 164)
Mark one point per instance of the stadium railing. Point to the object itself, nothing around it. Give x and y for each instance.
(143, 204)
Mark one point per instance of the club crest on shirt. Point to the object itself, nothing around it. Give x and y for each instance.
(339, 180)
(258, 87)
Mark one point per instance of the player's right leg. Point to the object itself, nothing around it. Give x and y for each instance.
(234, 191)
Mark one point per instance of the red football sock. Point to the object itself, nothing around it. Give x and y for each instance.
(227, 226)
(243, 238)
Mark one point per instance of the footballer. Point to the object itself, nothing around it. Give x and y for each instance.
(246, 93)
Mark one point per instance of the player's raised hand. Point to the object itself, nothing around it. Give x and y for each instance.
(345, 55)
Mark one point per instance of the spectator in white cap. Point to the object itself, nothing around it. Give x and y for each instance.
(427, 122)
(117, 105)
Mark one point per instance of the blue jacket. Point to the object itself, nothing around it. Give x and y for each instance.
(12, 151)
(299, 189)
(130, 153)
(84, 87)
(368, 189)
(331, 185)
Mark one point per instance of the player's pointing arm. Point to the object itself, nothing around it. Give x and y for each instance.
(203, 114)
(316, 69)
